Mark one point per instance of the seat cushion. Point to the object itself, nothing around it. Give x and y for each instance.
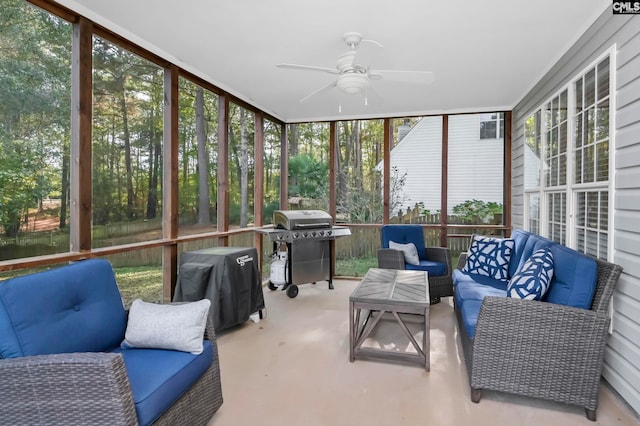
(158, 377)
(489, 257)
(459, 276)
(469, 311)
(74, 308)
(532, 280)
(435, 269)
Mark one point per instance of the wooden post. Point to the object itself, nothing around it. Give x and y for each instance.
(81, 124)
(258, 187)
(223, 168)
(386, 170)
(170, 183)
(444, 182)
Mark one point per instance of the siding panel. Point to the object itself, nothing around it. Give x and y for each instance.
(622, 359)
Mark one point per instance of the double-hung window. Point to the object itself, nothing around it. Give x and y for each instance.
(567, 163)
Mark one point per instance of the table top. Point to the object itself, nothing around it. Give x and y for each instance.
(393, 286)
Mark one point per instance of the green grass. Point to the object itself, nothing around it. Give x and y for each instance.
(139, 282)
(355, 267)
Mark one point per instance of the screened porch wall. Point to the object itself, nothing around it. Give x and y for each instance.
(622, 356)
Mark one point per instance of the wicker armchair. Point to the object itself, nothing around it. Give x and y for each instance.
(93, 388)
(439, 285)
(557, 355)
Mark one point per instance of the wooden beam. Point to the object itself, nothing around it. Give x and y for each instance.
(333, 155)
(223, 168)
(284, 168)
(506, 213)
(81, 124)
(170, 183)
(444, 184)
(258, 182)
(386, 170)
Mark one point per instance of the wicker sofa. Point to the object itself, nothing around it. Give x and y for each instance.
(537, 348)
(435, 260)
(62, 362)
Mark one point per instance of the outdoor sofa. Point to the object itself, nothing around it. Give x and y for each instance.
(551, 348)
(64, 361)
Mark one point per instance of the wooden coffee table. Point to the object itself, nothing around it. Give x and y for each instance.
(397, 292)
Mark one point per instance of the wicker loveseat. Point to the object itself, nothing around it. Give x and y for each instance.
(537, 348)
(62, 361)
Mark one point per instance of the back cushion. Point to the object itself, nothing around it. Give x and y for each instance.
(404, 234)
(519, 236)
(75, 308)
(574, 280)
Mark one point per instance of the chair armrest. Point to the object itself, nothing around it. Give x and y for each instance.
(77, 388)
(440, 254)
(390, 259)
(461, 261)
(539, 348)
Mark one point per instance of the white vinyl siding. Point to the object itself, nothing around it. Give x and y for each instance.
(622, 356)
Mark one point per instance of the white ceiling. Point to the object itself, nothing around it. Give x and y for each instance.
(485, 54)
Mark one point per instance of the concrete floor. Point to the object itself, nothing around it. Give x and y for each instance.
(292, 368)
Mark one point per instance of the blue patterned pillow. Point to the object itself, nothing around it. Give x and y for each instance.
(489, 257)
(532, 280)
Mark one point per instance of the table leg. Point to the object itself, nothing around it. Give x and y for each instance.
(351, 331)
(426, 341)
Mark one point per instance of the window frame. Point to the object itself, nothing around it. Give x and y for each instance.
(488, 118)
(572, 188)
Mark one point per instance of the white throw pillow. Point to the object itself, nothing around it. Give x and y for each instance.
(179, 327)
(410, 252)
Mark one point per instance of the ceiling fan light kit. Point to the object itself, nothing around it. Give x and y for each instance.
(353, 83)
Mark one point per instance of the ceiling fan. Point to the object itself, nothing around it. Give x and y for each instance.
(354, 78)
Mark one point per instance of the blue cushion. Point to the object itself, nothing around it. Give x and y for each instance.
(435, 269)
(474, 291)
(158, 377)
(458, 277)
(520, 237)
(481, 279)
(404, 234)
(470, 310)
(489, 257)
(574, 280)
(532, 280)
(75, 308)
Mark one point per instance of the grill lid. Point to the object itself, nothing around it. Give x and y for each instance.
(301, 219)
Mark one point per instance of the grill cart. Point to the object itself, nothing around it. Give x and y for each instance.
(302, 249)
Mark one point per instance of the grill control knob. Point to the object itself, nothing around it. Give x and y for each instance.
(305, 234)
(320, 233)
(313, 233)
(295, 235)
(329, 232)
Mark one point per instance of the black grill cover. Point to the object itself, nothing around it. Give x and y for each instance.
(228, 277)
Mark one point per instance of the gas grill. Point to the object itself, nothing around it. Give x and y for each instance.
(308, 258)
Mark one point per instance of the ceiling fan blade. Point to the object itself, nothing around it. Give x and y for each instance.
(315, 92)
(421, 77)
(308, 68)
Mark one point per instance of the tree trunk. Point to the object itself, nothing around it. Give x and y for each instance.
(204, 217)
(155, 148)
(293, 151)
(127, 151)
(64, 192)
(244, 171)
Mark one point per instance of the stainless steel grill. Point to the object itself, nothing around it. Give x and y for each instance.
(307, 235)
